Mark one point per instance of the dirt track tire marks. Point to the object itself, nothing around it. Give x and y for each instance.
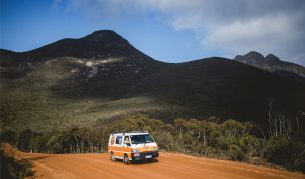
(170, 165)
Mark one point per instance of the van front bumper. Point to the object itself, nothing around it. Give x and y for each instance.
(144, 155)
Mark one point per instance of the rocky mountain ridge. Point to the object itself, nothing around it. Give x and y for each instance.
(273, 64)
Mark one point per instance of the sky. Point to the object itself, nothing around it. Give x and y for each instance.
(167, 30)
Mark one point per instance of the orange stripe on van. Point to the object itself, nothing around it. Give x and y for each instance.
(128, 149)
(119, 151)
(117, 148)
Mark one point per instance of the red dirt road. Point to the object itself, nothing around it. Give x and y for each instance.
(169, 165)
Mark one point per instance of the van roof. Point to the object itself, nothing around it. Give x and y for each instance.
(130, 133)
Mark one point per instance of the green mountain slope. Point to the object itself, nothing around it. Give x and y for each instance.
(101, 77)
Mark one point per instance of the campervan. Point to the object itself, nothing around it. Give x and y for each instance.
(132, 146)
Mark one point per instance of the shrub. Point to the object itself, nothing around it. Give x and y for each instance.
(286, 152)
(9, 136)
(10, 166)
(165, 141)
(235, 152)
(233, 128)
(300, 162)
(251, 146)
(225, 142)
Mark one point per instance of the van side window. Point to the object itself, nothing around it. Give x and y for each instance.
(112, 140)
(118, 140)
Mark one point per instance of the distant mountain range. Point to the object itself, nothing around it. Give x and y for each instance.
(273, 64)
(102, 77)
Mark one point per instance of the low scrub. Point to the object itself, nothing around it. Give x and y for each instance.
(11, 167)
(287, 153)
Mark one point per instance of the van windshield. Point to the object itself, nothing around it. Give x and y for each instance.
(139, 139)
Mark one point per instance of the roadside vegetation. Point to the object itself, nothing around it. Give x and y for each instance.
(11, 167)
(230, 139)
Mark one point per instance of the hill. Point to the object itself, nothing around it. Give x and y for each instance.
(101, 77)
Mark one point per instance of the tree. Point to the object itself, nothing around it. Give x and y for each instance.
(233, 128)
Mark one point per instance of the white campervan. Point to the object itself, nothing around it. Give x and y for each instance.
(132, 146)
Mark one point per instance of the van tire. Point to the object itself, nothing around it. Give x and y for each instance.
(112, 157)
(126, 159)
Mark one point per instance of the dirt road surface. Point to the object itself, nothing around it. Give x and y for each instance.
(169, 165)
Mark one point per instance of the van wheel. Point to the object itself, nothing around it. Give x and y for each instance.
(126, 160)
(112, 157)
(150, 160)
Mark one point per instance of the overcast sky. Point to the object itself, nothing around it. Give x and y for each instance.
(167, 30)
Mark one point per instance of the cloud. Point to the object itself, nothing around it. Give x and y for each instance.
(269, 34)
(268, 26)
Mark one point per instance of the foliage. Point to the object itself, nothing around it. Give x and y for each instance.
(10, 166)
(285, 152)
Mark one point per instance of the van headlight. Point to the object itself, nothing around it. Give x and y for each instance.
(135, 150)
(155, 149)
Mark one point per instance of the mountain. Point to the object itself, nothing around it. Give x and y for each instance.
(273, 64)
(99, 78)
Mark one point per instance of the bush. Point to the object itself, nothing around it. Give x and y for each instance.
(10, 166)
(233, 128)
(251, 146)
(24, 139)
(285, 152)
(235, 153)
(165, 141)
(224, 142)
(300, 162)
(9, 136)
